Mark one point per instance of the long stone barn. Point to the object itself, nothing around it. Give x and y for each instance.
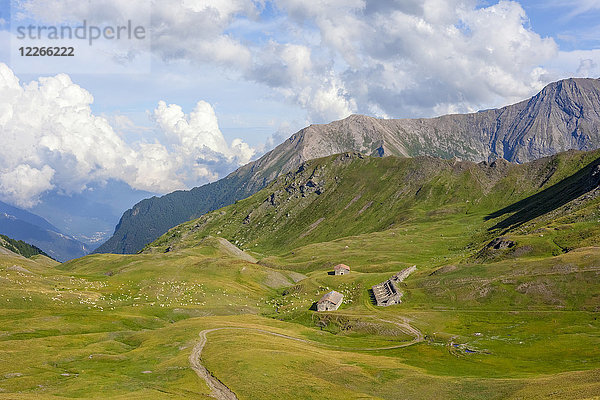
(330, 301)
(386, 293)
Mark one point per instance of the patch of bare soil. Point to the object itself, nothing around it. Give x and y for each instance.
(311, 228)
(444, 270)
(232, 249)
(20, 269)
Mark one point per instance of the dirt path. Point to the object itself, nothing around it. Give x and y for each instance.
(222, 392)
(409, 330)
(219, 390)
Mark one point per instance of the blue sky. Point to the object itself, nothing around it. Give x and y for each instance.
(219, 82)
(573, 25)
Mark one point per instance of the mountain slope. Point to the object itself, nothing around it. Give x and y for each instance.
(25, 226)
(349, 194)
(27, 216)
(20, 247)
(565, 115)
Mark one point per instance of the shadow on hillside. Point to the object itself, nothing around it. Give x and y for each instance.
(549, 199)
(372, 297)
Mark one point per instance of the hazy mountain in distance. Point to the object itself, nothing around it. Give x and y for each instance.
(22, 225)
(564, 115)
(26, 216)
(89, 216)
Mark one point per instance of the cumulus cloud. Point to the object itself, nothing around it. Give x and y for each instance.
(24, 183)
(196, 137)
(587, 67)
(580, 63)
(411, 58)
(52, 140)
(292, 71)
(190, 29)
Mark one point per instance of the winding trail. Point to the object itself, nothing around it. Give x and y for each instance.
(219, 390)
(222, 392)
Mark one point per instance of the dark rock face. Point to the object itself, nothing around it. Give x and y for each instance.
(564, 115)
(501, 243)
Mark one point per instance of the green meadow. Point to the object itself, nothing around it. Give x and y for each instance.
(476, 322)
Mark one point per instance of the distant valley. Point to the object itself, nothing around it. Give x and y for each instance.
(70, 226)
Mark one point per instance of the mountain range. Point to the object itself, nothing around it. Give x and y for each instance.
(501, 302)
(564, 115)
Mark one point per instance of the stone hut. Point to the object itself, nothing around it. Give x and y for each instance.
(341, 269)
(330, 301)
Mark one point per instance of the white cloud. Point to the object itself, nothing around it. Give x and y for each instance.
(190, 29)
(414, 58)
(52, 140)
(327, 100)
(587, 68)
(291, 71)
(338, 57)
(199, 131)
(578, 63)
(24, 183)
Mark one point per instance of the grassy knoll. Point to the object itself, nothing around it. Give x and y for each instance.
(304, 371)
(115, 318)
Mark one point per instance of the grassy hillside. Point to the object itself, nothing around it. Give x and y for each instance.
(347, 195)
(124, 326)
(515, 317)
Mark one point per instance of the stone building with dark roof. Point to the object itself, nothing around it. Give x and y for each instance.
(330, 301)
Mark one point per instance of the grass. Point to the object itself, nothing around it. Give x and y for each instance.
(515, 323)
(45, 344)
